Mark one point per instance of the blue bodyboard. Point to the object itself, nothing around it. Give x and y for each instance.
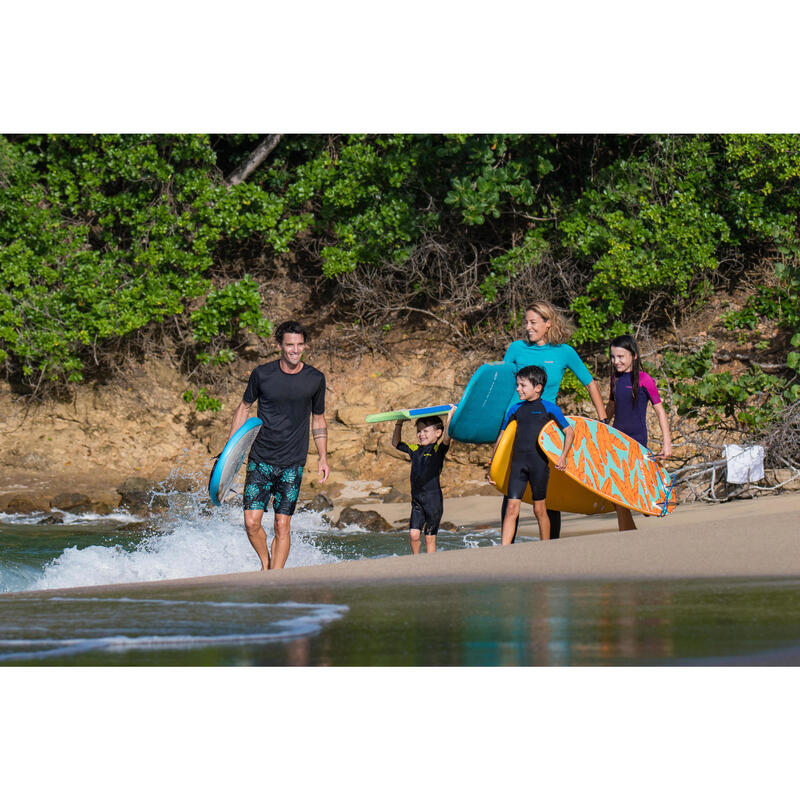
(229, 461)
(482, 407)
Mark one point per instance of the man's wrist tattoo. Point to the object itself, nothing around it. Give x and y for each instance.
(319, 433)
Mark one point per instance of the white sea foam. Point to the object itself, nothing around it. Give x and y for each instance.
(35, 517)
(192, 544)
(17, 577)
(159, 624)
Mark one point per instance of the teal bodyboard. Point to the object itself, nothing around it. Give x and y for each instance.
(228, 463)
(482, 407)
(409, 413)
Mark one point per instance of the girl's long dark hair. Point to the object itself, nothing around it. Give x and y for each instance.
(628, 343)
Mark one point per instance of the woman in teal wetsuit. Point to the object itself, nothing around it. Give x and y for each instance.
(546, 347)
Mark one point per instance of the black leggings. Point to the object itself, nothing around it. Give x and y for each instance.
(553, 516)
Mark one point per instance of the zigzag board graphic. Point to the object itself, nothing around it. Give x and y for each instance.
(610, 464)
(563, 492)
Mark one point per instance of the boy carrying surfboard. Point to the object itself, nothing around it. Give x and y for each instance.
(528, 463)
(427, 460)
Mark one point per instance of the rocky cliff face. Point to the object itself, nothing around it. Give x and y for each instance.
(140, 427)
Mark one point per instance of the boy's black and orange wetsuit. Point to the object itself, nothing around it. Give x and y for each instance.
(426, 493)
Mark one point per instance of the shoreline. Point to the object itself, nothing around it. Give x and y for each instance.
(757, 538)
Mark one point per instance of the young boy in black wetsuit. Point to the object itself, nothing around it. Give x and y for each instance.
(528, 462)
(427, 460)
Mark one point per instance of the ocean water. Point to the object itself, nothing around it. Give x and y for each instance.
(191, 539)
(482, 623)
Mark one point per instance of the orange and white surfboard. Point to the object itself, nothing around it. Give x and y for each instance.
(612, 465)
(604, 468)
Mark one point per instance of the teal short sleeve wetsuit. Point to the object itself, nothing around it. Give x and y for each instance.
(554, 359)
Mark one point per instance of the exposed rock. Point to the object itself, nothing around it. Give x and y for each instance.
(397, 495)
(56, 518)
(104, 502)
(385, 449)
(134, 491)
(134, 527)
(75, 502)
(23, 460)
(141, 496)
(365, 520)
(342, 441)
(180, 483)
(27, 503)
(320, 503)
(447, 526)
(481, 488)
(358, 489)
(353, 416)
(371, 442)
(140, 420)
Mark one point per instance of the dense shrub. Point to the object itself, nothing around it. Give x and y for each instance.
(103, 236)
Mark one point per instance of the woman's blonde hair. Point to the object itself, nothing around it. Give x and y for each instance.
(560, 327)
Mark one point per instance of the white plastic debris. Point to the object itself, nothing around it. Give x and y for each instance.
(745, 464)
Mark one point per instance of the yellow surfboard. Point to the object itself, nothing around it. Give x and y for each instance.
(563, 492)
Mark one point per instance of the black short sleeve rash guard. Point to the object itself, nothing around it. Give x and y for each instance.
(426, 465)
(285, 403)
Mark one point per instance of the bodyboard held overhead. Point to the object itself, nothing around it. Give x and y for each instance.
(409, 413)
(563, 492)
(229, 461)
(482, 407)
(613, 465)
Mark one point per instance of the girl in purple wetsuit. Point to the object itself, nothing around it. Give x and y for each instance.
(631, 390)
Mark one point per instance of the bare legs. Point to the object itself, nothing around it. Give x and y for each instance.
(512, 516)
(258, 538)
(540, 509)
(416, 542)
(552, 515)
(282, 541)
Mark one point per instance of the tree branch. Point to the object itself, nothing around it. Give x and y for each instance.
(254, 160)
(430, 314)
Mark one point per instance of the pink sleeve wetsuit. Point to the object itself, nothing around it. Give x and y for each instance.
(630, 416)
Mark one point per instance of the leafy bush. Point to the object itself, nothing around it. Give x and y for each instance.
(105, 236)
(755, 399)
(202, 400)
(101, 236)
(227, 310)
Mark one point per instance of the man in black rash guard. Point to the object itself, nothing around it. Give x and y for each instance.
(427, 460)
(288, 392)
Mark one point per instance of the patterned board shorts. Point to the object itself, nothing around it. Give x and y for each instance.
(265, 481)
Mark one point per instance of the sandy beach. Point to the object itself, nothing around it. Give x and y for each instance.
(744, 538)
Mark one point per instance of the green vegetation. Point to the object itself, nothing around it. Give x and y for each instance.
(104, 238)
(755, 400)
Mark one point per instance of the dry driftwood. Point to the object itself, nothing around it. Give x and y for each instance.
(704, 476)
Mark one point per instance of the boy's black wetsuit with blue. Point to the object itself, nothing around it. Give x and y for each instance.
(427, 503)
(528, 461)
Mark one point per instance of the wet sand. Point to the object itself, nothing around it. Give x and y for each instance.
(744, 538)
